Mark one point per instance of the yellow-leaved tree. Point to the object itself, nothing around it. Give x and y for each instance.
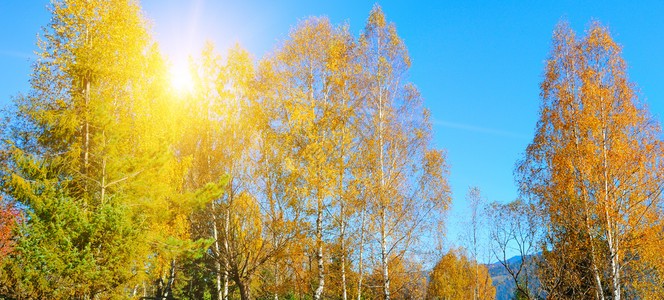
(305, 94)
(405, 176)
(455, 276)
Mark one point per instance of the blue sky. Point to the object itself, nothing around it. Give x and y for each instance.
(478, 64)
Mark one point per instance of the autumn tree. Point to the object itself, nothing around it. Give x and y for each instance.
(594, 166)
(9, 217)
(227, 132)
(209, 145)
(455, 276)
(307, 92)
(346, 155)
(263, 219)
(407, 278)
(406, 176)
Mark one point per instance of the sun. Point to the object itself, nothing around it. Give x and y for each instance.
(181, 79)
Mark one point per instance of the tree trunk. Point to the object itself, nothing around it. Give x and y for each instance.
(343, 255)
(86, 80)
(226, 249)
(383, 208)
(360, 263)
(245, 290)
(599, 293)
(615, 268)
(342, 233)
(224, 295)
(384, 259)
(319, 251)
(342, 169)
(167, 292)
(171, 277)
(86, 150)
(476, 292)
(276, 274)
(103, 169)
(217, 264)
(596, 273)
(615, 272)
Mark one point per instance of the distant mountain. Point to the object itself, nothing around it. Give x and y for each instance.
(502, 280)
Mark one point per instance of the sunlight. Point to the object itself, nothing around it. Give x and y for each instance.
(181, 79)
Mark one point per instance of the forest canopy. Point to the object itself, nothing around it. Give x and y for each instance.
(310, 170)
(310, 173)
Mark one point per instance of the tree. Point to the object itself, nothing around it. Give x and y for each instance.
(228, 132)
(347, 158)
(306, 84)
(263, 218)
(454, 277)
(515, 227)
(406, 178)
(478, 244)
(594, 166)
(407, 278)
(87, 160)
(9, 217)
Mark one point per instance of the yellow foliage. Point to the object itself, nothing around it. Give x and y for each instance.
(456, 277)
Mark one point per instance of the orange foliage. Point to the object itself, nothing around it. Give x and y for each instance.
(595, 164)
(9, 216)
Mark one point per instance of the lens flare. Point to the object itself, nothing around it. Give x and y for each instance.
(181, 79)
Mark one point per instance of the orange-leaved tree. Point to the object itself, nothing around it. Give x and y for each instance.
(595, 164)
(9, 216)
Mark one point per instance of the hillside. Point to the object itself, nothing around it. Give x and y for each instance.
(502, 280)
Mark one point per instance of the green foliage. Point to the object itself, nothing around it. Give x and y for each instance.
(521, 293)
(90, 163)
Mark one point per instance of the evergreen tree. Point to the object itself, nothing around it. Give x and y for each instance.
(89, 158)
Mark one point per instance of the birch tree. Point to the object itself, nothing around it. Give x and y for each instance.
(407, 177)
(306, 78)
(476, 237)
(515, 230)
(594, 165)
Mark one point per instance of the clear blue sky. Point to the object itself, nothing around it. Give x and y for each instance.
(477, 64)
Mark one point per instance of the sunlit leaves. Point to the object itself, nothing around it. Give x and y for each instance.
(407, 178)
(454, 277)
(595, 163)
(93, 166)
(320, 150)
